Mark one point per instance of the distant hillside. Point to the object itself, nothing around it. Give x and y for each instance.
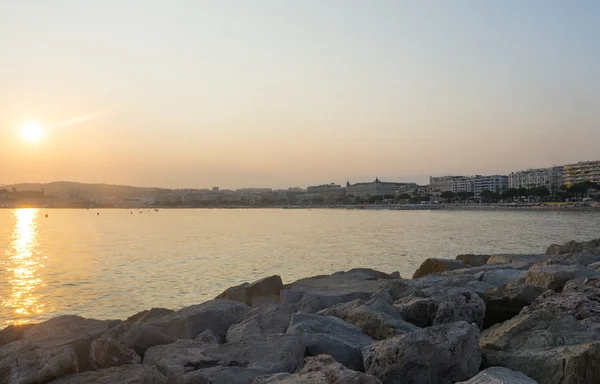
(59, 187)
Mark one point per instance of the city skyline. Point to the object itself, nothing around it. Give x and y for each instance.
(283, 93)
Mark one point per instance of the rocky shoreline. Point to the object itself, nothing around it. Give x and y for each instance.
(499, 319)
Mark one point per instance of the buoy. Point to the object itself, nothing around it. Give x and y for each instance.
(46, 215)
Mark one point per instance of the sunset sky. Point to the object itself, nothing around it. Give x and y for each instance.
(292, 93)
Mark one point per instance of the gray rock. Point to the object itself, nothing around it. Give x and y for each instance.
(146, 316)
(51, 349)
(131, 338)
(442, 305)
(262, 292)
(473, 260)
(220, 374)
(321, 369)
(573, 247)
(208, 337)
(555, 276)
(505, 302)
(260, 322)
(516, 258)
(499, 375)
(376, 316)
(189, 322)
(551, 348)
(107, 352)
(184, 359)
(13, 333)
(442, 354)
(433, 265)
(140, 337)
(332, 336)
(498, 277)
(126, 374)
(583, 258)
(595, 266)
(366, 274)
(486, 268)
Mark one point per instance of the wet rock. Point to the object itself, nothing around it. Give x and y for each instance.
(189, 322)
(208, 337)
(442, 306)
(126, 374)
(505, 302)
(332, 336)
(107, 352)
(573, 247)
(376, 316)
(13, 333)
(442, 354)
(499, 375)
(51, 349)
(516, 258)
(551, 348)
(473, 260)
(262, 292)
(321, 369)
(261, 322)
(555, 276)
(148, 315)
(184, 359)
(433, 265)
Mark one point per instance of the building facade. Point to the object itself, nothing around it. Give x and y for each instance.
(493, 183)
(329, 192)
(582, 171)
(377, 188)
(475, 184)
(551, 178)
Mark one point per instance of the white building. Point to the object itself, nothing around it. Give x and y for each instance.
(493, 183)
(582, 171)
(475, 184)
(551, 178)
(378, 188)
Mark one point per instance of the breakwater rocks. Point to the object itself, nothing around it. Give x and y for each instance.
(502, 319)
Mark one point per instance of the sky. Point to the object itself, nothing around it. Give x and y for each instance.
(279, 93)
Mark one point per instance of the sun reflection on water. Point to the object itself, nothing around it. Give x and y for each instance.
(23, 262)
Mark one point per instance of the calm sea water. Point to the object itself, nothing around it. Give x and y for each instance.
(117, 263)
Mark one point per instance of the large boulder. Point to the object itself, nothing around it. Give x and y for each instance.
(516, 258)
(505, 302)
(573, 247)
(487, 267)
(126, 374)
(189, 322)
(51, 349)
(498, 277)
(473, 260)
(376, 316)
(13, 333)
(148, 315)
(551, 348)
(321, 369)
(316, 293)
(262, 292)
(442, 305)
(499, 375)
(107, 352)
(260, 323)
(434, 265)
(555, 276)
(191, 361)
(332, 336)
(582, 258)
(442, 354)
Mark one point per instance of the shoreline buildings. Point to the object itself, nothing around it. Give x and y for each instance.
(378, 188)
(551, 178)
(582, 171)
(475, 184)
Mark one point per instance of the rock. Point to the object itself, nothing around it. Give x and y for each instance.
(189, 322)
(572, 247)
(505, 302)
(433, 265)
(579, 298)
(107, 352)
(126, 374)
(595, 266)
(498, 277)
(516, 258)
(376, 316)
(220, 374)
(135, 338)
(366, 274)
(260, 322)
(208, 337)
(442, 354)
(51, 349)
(13, 333)
(555, 276)
(551, 348)
(499, 375)
(262, 292)
(187, 360)
(487, 267)
(439, 280)
(442, 306)
(140, 337)
(583, 258)
(148, 315)
(332, 336)
(320, 292)
(473, 260)
(321, 369)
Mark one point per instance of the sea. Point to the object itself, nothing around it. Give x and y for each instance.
(112, 263)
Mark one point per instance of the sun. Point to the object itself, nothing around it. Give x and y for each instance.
(32, 132)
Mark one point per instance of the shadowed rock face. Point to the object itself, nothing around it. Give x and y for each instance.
(549, 347)
(126, 374)
(505, 302)
(321, 369)
(574, 247)
(473, 260)
(499, 375)
(146, 316)
(13, 333)
(441, 354)
(262, 292)
(433, 265)
(332, 336)
(260, 323)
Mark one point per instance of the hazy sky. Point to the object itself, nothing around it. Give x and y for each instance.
(284, 93)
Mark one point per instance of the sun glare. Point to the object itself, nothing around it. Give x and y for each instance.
(32, 132)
